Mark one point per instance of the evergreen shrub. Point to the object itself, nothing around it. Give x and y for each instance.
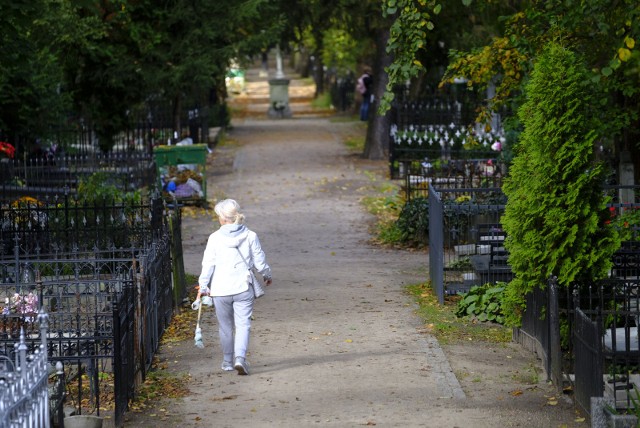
(556, 218)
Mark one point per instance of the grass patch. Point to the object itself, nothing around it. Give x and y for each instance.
(441, 321)
(347, 119)
(323, 101)
(355, 140)
(355, 144)
(386, 206)
(529, 376)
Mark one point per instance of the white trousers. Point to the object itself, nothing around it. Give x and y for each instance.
(234, 313)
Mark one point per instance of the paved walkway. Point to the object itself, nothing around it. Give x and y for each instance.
(334, 340)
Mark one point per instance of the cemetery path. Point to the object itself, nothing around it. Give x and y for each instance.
(335, 341)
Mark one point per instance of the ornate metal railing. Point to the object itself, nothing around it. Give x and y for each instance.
(24, 382)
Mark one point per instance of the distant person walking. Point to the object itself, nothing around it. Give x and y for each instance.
(364, 88)
(230, 251)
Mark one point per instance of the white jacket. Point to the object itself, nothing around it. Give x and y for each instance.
(224, 273)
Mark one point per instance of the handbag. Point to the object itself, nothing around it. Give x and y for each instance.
(254, 283)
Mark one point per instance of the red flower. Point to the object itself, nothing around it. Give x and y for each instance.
(7, 149)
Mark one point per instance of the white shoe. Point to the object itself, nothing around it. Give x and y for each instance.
(241, 366)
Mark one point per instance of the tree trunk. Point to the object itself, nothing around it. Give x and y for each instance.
(377, 141)
(318, 73)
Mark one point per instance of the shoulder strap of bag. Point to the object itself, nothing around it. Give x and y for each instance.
(243, 259)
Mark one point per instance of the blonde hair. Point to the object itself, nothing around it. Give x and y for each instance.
(229, 210)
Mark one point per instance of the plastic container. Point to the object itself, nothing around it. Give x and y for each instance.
(83, 421)
(183, 163)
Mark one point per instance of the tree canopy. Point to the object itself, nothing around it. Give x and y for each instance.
(501, 41)
(99, 59)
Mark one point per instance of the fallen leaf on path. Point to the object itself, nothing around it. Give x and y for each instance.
(225, 397)
(516, 393)
(580, 420)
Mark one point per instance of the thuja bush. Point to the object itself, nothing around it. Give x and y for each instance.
(556, 218)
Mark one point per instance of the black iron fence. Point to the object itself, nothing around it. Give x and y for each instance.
(534, 333)
(454, 174)
(107, 313)
(144, 127)
(587, 349)
(342, 88)
(60, 224)
(434, 110)
(428, 134)
(587, 336)
(82, 296)
(110, 277)
(466, 241)
(42, 177)
(612, 307)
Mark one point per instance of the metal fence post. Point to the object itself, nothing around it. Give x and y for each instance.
(436, 244)
(554, 355)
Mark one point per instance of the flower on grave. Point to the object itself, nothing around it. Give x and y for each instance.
(497, 146)
(28, 212)
(21, 304)
(26, 304)
(7, 150)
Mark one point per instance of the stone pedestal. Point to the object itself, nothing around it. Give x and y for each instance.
(279, 98)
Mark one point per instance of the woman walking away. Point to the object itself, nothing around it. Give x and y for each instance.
(230, 252)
